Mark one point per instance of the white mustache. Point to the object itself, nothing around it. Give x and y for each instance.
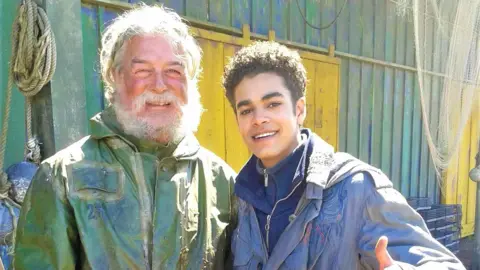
(152, 98)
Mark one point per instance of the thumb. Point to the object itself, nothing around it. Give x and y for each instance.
(384, 259)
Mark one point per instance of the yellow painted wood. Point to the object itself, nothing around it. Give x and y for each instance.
(242, 41)
(462, 174)
(451, 183)
(220, 37)
(320, 57)
(474, 137)
(450, 186)
(458, 188)
(326, 101)
(211, 132)
(236, 151)
(310, 119)
(469, 209)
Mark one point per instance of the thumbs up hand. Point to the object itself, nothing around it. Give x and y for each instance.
(384, 259)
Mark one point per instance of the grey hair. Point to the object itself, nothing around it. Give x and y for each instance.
(148, 20)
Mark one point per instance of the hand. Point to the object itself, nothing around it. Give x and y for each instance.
(384, 259)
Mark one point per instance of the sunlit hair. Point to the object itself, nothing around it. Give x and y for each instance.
(148, 20)
(264, 57)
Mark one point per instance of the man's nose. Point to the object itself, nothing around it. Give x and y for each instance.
(159, 83)
(259, 117)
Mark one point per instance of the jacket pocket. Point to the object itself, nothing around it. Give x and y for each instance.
(242, 251)
(320, 234)
(328, 229)
(96, 181)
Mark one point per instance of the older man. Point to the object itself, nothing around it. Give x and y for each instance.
(139, 192)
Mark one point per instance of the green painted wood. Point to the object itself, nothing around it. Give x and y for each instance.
(91, 68)
(425, 155)
(16, 126)
(106, 16)
(437, 89)
(406, 136)
(397, 122)
(398, 103)
(177, 5)
(67, 85)
(387, 127)
(313, 13)
(261, 16)
(296, 23)
(280, 18)
(432, 190)
(377, 115)
(366, 108)
(407, 146)
(353, 109)
(425, 159)
(241, 13)
(355, 41)
(327, 13)
(342, 44)
(367, 26)
(417, 130)
(220, 12)
(377, 98)
(366, 93)
(197, 9)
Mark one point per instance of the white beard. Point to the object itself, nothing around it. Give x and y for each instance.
(183, 122)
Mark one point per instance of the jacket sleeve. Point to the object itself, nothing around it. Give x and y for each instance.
(410, 244)
(46, 235)
(224, 183)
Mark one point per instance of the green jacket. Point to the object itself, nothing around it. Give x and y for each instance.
(91, 206)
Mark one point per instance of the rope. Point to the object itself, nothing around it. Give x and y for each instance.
(34, 62)
(32, 65)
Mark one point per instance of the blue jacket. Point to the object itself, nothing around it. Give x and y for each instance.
(345, 208)
(284, 178)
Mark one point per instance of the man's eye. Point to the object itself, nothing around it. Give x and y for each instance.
(174, 71)
(142, 72)
(274, 104)
(245, 112)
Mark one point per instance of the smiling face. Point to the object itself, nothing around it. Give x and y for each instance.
(151, 97)
(268, 119)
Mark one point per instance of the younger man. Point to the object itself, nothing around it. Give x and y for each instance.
(300, 204)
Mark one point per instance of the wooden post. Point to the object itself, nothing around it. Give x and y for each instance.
(59, 110)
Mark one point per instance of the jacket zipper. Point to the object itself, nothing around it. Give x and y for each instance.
(267, 225)
(265, 250)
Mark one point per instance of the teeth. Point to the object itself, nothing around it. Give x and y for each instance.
(263, 135)
(161, 103)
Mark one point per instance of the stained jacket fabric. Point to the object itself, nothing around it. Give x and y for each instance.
(101, 203)
(346, 207)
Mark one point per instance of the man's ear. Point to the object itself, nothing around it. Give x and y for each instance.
(301, 111)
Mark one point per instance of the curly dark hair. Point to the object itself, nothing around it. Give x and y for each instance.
(262, 57)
